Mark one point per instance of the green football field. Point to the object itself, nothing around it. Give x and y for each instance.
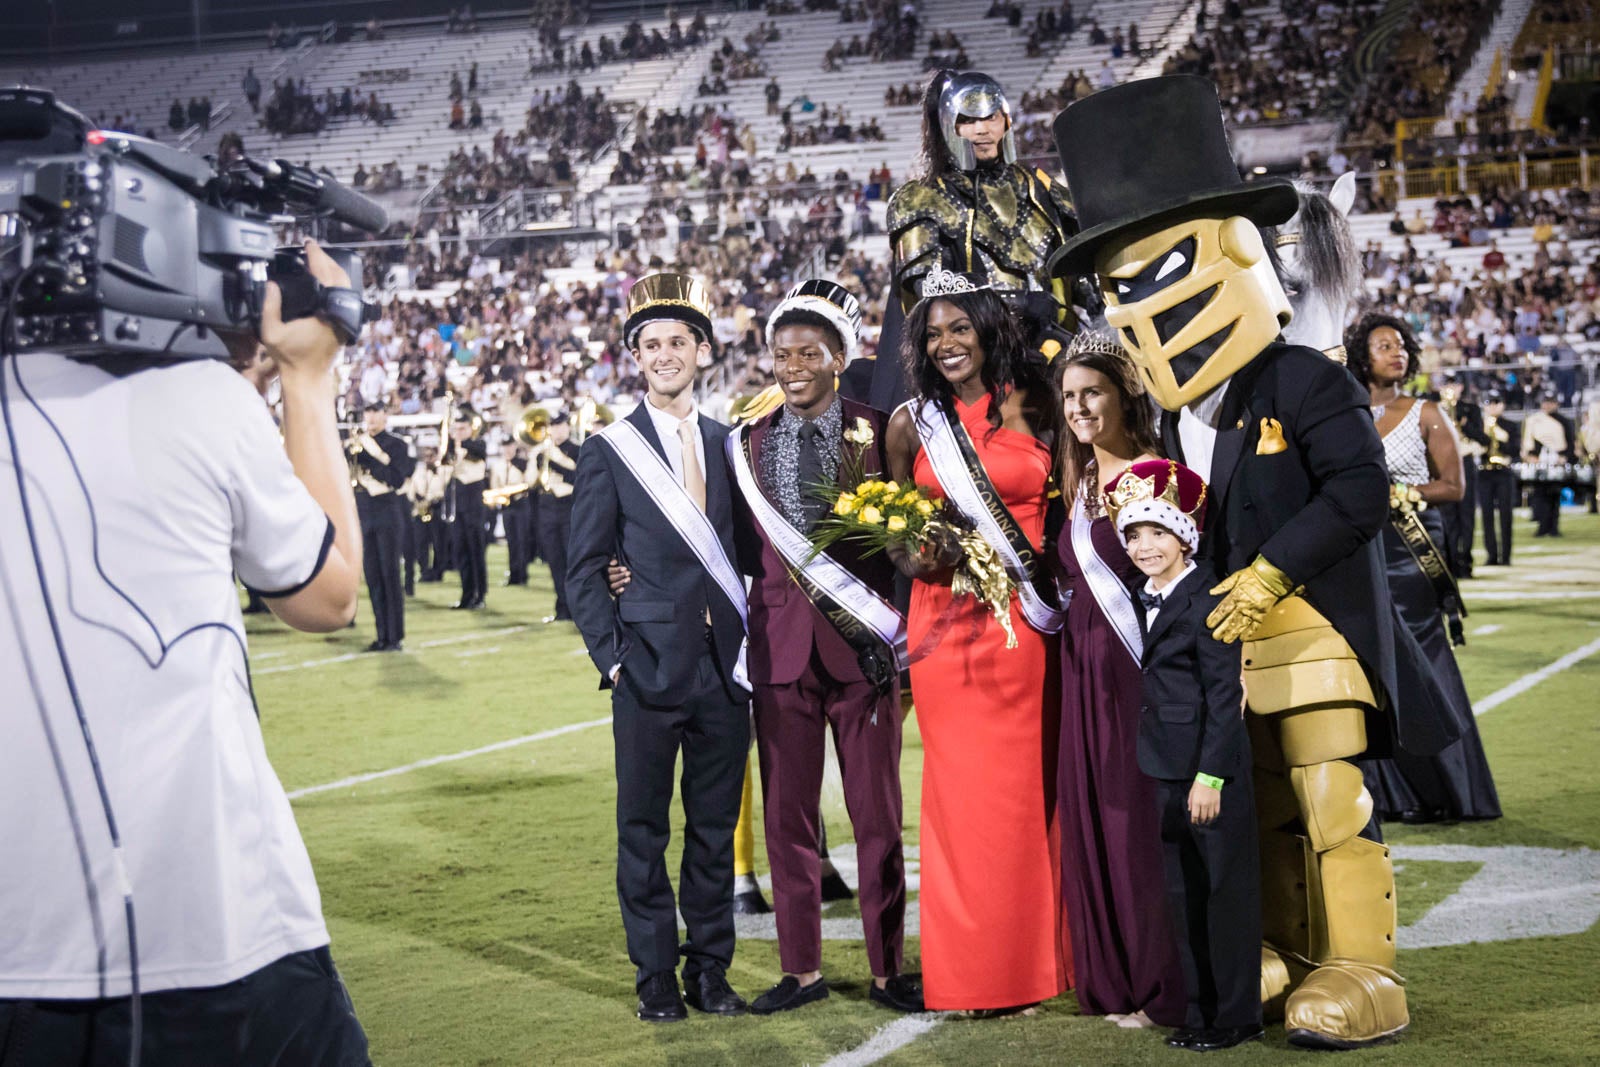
(470, 889)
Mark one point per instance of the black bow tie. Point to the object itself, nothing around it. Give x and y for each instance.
(1151, 601)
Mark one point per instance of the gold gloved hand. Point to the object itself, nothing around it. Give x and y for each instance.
(1247, 595)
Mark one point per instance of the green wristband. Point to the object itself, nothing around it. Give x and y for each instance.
(1209, 779)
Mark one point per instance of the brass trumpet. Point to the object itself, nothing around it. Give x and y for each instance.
(499, 498)
(533, 426)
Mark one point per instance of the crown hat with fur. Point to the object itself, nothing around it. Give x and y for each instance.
(1160, 491)
(830, 300)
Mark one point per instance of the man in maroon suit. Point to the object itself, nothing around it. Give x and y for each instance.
(825, 647)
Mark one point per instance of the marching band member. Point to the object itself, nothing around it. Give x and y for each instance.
(555, 463)
(1548, 440)
(381, 465)
(1498, 479)
(466, 470)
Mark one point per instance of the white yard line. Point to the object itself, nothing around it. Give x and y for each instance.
(892, 1038)
(1528, 681)
(1532, 594)
(348, 656)
(434, 761)
(1485, 631)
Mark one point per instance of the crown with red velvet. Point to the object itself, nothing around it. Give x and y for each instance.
(1162, 491)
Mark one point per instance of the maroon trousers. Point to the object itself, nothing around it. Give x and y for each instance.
(792, 724)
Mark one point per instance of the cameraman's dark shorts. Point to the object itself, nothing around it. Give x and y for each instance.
(293, 1012)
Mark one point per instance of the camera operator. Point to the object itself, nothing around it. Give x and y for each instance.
(136, 797)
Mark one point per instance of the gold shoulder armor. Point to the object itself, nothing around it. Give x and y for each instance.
(919, 201)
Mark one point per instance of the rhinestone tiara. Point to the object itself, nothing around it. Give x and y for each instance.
(941, 282)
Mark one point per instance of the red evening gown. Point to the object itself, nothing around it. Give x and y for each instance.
(992, 930)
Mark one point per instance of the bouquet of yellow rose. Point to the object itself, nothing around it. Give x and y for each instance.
(878, 514)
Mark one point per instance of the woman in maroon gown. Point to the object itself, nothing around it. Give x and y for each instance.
(1125, 957)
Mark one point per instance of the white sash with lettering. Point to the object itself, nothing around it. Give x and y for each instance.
(944, 454)
(655, 477)
(842, 587)
(1108, 591)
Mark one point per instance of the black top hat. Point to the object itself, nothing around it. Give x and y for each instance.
(1151, 152)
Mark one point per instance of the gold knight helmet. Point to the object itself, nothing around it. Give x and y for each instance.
(1172, 234)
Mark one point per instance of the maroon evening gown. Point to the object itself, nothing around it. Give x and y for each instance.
(1113, 885)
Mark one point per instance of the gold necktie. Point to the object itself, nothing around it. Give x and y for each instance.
(694, 479)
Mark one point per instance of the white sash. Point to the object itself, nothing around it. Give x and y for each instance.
(944, 454)
(655, 477)
(1108, 591)
(838, 584)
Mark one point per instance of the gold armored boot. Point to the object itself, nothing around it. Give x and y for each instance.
(1328, 905)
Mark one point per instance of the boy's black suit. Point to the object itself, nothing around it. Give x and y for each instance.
(1191, 721)
(675, 691)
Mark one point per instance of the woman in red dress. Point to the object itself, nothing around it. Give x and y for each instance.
(992, 933)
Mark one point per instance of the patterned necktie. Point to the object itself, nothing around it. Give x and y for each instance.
(694, 479)
(810, 473)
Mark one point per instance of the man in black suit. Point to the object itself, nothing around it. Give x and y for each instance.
(1299, 493)
(1460, 517)
(1192, 741)
(1498, 490)
(1548, 441)
(381, 462)
(653, 491)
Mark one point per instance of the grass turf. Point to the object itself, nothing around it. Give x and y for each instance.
(472, 902)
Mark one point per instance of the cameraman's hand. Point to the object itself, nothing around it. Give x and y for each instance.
(305, 347)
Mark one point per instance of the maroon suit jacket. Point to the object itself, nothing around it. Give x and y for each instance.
(784, 625)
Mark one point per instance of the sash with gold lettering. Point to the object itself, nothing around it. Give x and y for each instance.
(869, 624)
(967, 485)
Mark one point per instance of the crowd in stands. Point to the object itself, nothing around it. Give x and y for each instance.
(294, 109)
(557, 54)
(1497, 316)
(1433, 52)
(1268, 69)
(180, 118)
(514, 336)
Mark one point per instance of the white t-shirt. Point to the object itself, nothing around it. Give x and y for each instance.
(188, 484)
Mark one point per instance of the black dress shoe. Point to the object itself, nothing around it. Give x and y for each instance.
(395, 646)
(710, 992)
(461, 605)
(378, 646)
(751, 902)
(1228, 1037)
(1181, 1037)
(834, 888)
(788, 995)
(901, 993)
(659, 1001)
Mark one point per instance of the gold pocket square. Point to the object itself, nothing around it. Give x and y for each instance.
(1271, 442)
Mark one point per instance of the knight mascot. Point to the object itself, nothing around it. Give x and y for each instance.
(1300, 492)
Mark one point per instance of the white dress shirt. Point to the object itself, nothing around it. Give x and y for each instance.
(1150, 590)
(667, 429)
(1197, 431)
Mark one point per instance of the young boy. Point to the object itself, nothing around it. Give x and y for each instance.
(1192, 740)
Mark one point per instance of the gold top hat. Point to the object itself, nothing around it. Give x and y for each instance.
(668, 296)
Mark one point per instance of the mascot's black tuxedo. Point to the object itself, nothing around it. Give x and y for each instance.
(1313, 507)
